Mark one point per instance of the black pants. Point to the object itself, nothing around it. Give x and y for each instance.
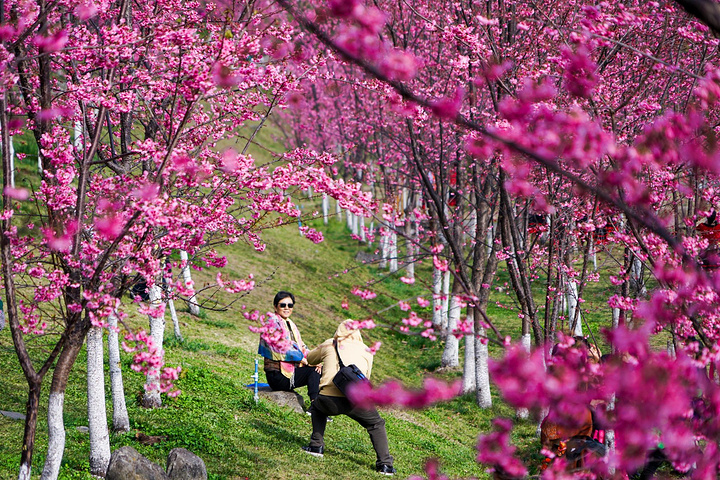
(370, 420)
(303, 376)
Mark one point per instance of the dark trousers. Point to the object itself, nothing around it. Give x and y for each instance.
(303, 376)
(370, 420)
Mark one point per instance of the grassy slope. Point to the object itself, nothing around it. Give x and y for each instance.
(216, 416)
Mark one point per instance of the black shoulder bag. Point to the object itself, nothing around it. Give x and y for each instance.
(347, 375)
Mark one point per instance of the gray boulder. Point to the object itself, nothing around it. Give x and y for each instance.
(127, 464)
(182, 464)
(284, 399)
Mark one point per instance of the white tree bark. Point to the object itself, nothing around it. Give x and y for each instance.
(174, 317)
(636, 272)
(571, 293)
(24, 472)
(355, 225)
(372, 231)
(349, 220)
(97, 415)
(151, 397)
(469, 365)
(338, 210)
(437, 297)
(325, 208)
(12, 162)
(393, 253)
(526, 342)
(187, 278)
(445, 298)
(121, 420)
(361, 229)
(482, 373)
(56, 437)
(410, 267)
(384, 248)
(450, 356)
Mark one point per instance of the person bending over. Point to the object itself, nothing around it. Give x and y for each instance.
(332, 402)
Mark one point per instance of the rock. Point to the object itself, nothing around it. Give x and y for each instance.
(365, 257)
(83, 429)
(13, 415)
(127, 464)
(284, 399)
(182, 464)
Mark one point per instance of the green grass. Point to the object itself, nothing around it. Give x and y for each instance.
(216, 416)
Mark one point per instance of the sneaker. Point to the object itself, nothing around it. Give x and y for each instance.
(386, 469)
(309, 414)
(314, 451)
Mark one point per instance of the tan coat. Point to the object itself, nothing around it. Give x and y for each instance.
(352, 350)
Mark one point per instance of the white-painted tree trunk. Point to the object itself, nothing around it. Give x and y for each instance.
(482, 373)
(309, 192)
(97, 415)
(176, 322)
(12, 162)
(325, 208)
(469, 364)
(445, 298)
(571, 294)
(372, 231)
(338, 210)
(349, 220)
(151, 397)
(355, 225)
(636, 273)
(121, 420)
(526, 342)
(193, 305)
(410, 267)
(56, 437)
(384, 248)
(361, 229)
(437, 298)
(450, 356)
(393, 253)
(24, 472)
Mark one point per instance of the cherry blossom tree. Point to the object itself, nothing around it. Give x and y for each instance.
(127, 104)
(599, 117)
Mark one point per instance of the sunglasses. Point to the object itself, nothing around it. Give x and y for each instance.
(286, 305)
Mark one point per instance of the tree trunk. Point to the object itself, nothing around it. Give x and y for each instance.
(437, 297)
(526, 342)
(97, 414)
(445, 299)
(361, 230)
(56, 426)
(325, 208)
(393, 253)
(450, 354)
(469, 375)
(121, 421)
(482, 374)
(193, 306)
(151, 397)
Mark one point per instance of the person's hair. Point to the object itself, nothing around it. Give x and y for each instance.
(282, 294)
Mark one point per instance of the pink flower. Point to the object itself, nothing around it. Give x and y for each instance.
(53, 43)
(20, 194)
(448, 108)
(109, 227)
(86, 11)
(422, 302)
(223, 76)
(374, 348)
(407, 280)
(404, 306)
